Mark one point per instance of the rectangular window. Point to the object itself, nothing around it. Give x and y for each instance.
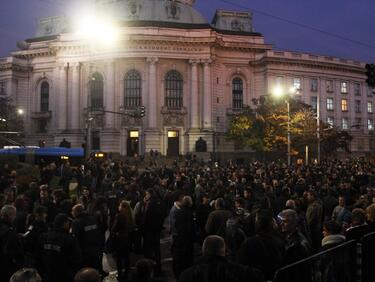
(330, 121)
(357, 89)
(2, 88)
(344, 87)
(357, 106)
(358, 123)
(314, 103)
(297, 84)
(370, 125)
(329, 104)
(314, 85)
(329, 85)
(369, 92)
(344, 105)
(369, 107)
(344, 123)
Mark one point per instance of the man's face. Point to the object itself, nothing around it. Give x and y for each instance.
(341, 201)
(288, 225)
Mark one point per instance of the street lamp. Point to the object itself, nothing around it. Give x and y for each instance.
(279, 92)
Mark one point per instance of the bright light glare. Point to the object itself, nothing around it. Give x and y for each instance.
(278, 91)
(20, 111)
(293, 90)
(98, 30)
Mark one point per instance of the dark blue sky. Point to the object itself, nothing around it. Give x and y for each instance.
(352, 19)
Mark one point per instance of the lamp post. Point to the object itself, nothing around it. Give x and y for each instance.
(278, 92)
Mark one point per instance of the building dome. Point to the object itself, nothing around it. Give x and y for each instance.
(173, 11)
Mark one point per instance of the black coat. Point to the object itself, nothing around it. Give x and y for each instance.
(86, 229)
(263, 251)
(11, 252)
(61, 256)
(218, 269)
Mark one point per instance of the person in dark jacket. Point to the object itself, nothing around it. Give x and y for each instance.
(86, 230)
(217, 219)
(266, 249)
(33, 236)
(60, 251)
(150, 225)
(183, 239)
(214, 267)
(297, 246)
(120, 237)
(11, 252)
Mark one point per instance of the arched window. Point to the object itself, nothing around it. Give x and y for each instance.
(132, 89)
(96, 91)
(237, 93)
(173, 90)
(44, 97)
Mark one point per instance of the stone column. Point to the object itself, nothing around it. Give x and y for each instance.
(109, 95)
(151, 111)
(207, 98)
(194, 100)
(75, 97)
(63, 98)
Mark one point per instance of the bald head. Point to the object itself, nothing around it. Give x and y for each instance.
(87, 275)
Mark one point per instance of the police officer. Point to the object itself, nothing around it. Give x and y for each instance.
(60, 251)
(86, 230)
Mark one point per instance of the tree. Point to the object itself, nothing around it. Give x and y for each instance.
(263, 128)
(11, 123)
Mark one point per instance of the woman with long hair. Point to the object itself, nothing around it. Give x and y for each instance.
(120, 238)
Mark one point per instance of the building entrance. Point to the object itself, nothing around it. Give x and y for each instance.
(133, 143)
(173, 144)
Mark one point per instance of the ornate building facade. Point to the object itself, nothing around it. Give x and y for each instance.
(191, 77)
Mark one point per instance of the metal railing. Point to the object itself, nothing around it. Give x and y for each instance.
(368, 257)
(336, 264)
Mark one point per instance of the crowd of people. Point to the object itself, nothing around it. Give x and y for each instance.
(227, 222)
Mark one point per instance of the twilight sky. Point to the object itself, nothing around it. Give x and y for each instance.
(351, 19)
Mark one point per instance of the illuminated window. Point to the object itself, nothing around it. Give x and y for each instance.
(370, 125)
(132, 89)
(369, 107)
(345, 123)
(172, 134)
(344, 105)
(134, 134)
(330, 104)
(344, 87)
(330, 121)
(297, 84)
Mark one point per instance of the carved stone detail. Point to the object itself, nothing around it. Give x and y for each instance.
(131, 121)
(172, 117)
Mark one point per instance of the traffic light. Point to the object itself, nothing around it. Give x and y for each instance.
(143, 111)
(370, 72)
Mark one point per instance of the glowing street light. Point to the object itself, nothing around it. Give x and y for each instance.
(279, 92)
(20, 112)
